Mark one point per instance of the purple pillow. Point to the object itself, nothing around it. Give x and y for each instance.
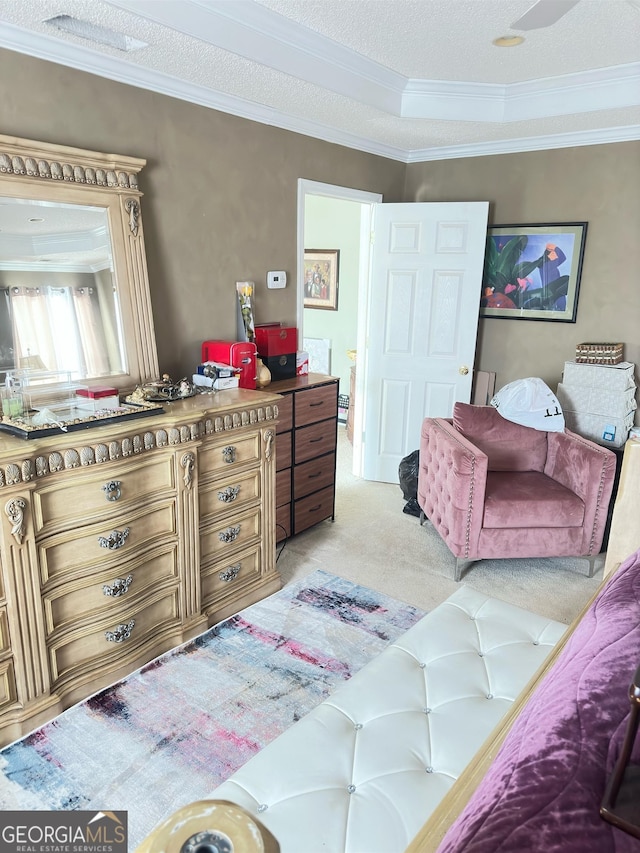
(509, 446)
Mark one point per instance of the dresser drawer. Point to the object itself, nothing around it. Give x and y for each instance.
(316, 404)
(229, 536)
(283, 451)
(225, 577)
(314, 475)
(67, 553)
(315, 440)
(311, 510)
(8, 693)
(231, 493)
(226, 456)
(79, 495)
(283, 487)
(285, 413)
(84, 650)
(108, 594)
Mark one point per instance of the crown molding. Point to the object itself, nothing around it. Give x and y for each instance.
(533, 143)
(458, 101)
(601, 89)
(568, 94)
(114, 68)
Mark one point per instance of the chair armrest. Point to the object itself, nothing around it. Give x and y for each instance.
(452, 477)
(588, 470)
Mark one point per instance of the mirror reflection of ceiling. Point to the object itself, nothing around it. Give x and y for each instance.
(39, 235)
(413, 80)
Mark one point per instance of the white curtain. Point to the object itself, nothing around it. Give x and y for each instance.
(33, 328)
(91, 331)
(38, 312)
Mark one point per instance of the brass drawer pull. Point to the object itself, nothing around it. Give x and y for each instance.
(229, 494)
(230, 534)
(229, 453)
(231, 573)
(119, 587)
(112, 490)
(121, 633)
(114, 540)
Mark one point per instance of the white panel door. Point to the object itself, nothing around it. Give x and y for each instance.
(422, 322)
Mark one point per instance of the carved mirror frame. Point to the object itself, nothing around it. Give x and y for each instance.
(58, 173)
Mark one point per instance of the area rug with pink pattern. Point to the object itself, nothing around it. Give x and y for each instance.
(174, 730)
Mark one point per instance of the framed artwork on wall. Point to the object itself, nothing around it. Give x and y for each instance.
(321, 269)
(532, 272)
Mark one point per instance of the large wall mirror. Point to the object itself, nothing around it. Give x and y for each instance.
(74, 291)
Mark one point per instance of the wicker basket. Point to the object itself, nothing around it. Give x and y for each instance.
(599, 353)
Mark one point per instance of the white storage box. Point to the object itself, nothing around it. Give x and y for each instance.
(222, 383)
(605, 430)
(618, 377)
(597, 401)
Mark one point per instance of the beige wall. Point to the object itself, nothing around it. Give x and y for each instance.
(220, 201)
(598, 184)
(220, 205)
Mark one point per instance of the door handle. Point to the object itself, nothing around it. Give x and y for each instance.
(463, 370)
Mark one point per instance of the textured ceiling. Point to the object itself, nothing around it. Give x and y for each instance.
(409, 79)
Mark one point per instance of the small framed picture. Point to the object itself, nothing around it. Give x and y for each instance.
(532, 272)
(321, 269)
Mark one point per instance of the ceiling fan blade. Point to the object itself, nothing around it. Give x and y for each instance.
(544, 13)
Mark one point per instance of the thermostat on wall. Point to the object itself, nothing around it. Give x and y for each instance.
(276, 279)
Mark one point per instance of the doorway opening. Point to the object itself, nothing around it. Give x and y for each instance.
(337, 218)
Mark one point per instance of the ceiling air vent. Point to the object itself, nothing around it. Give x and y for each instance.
(94, 33)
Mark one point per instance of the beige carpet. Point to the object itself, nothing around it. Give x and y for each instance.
(373, 542)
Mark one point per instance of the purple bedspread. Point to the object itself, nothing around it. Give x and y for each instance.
(544, 788)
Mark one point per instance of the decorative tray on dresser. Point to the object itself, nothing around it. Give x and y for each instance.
(122, 541)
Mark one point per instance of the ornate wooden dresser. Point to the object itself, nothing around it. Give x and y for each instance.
(121, 541)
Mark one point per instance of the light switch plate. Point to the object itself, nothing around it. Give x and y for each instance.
(276, 280)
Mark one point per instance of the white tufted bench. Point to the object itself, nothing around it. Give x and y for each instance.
(365, 769)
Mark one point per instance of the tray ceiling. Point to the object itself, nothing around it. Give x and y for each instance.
(413, 80)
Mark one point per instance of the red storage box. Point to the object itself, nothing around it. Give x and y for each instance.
(241, 354)
(96, 392)
(274, 339)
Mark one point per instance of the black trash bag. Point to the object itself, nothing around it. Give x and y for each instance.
(408, 475)
(412, 507)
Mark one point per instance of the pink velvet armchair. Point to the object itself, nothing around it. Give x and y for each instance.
(494, 489)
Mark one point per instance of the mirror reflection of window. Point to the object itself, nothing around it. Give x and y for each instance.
(58, 301)
(7, 353)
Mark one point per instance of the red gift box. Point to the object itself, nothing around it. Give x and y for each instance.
(96, 392)
(273, 339)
